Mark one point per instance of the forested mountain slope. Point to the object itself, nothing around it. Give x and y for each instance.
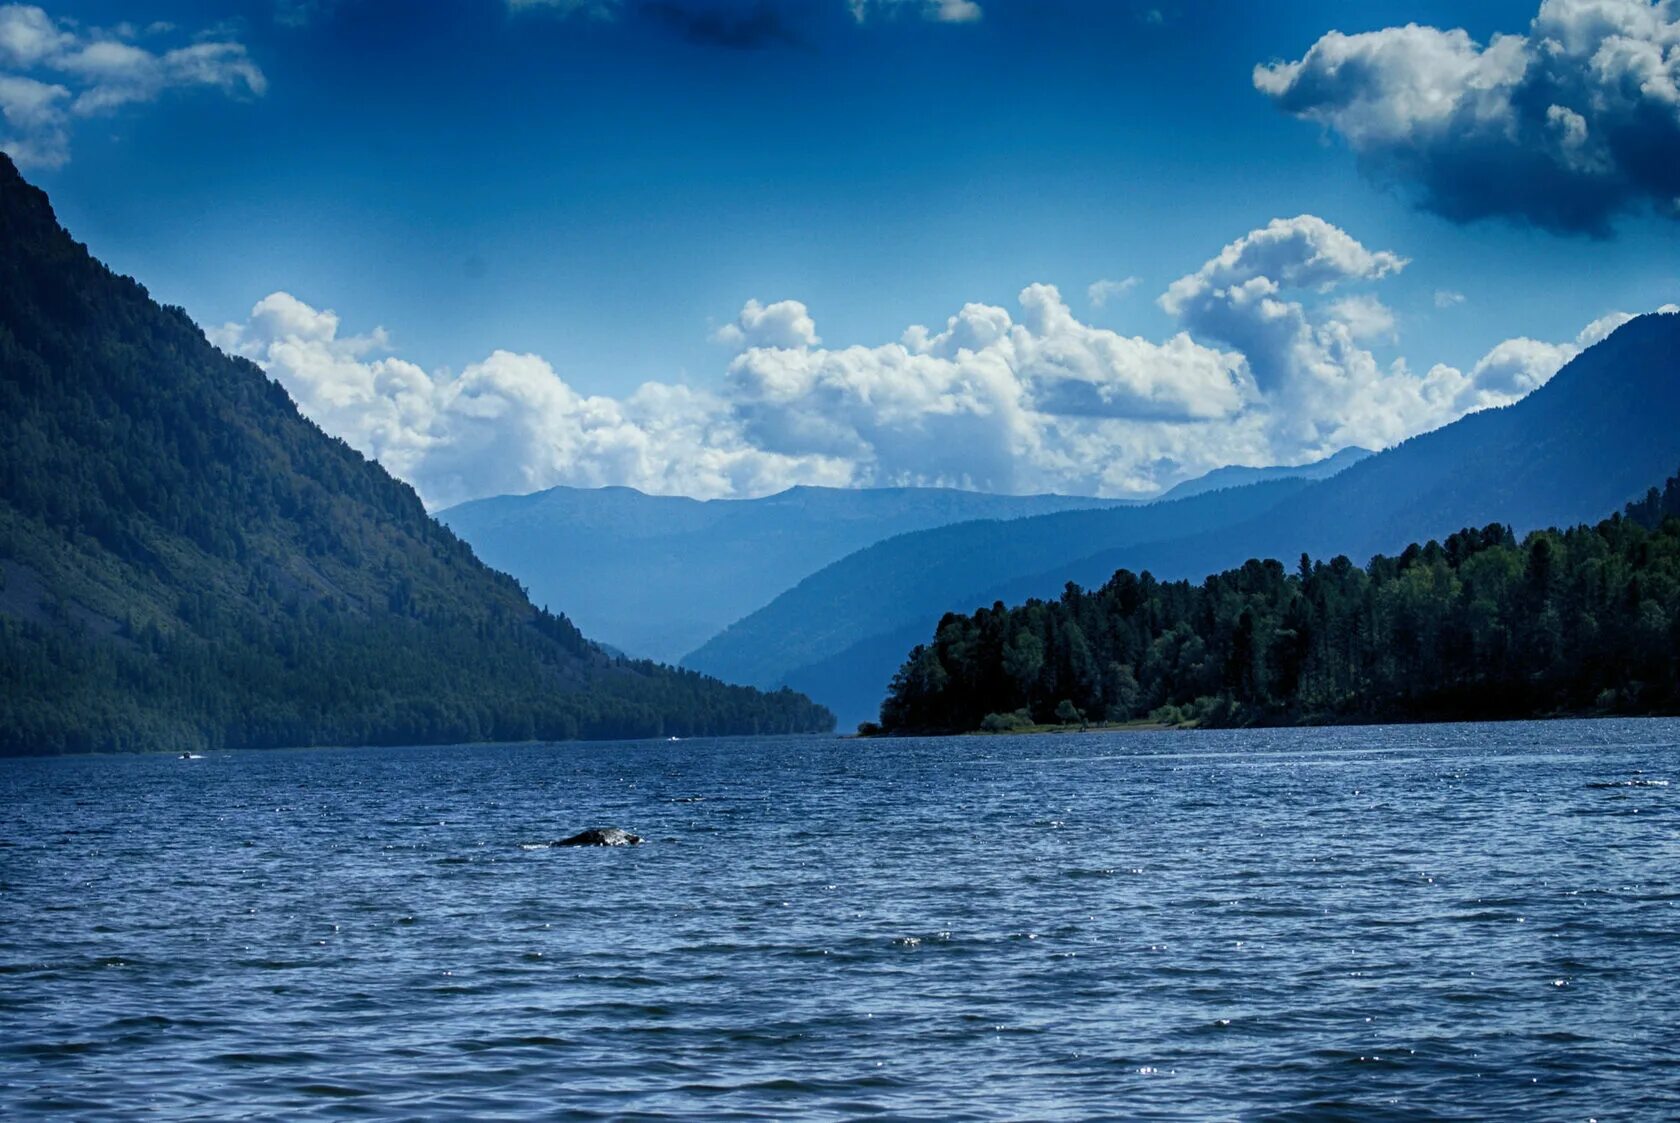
(1587, 442)
(1475, 627)
(186, 561)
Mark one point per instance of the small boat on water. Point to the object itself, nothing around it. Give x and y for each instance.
(192, 756)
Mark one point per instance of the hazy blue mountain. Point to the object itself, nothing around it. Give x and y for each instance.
(905, 581)
(659, 575)
(1587, 442)
(186, 561)
(1238, 476)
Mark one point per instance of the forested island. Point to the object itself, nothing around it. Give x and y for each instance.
(187, 562)
(1479, 627)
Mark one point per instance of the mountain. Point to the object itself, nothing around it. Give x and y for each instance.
(659, 575)
(186, 561)
(1474, 629)
(842, 627)
(1237, 476)
(1588, 441)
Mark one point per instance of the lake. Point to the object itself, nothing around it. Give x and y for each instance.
(1457, 922)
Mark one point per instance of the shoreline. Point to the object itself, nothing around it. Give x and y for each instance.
(1143, 725)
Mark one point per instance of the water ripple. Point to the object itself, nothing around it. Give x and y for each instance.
(1453, 922)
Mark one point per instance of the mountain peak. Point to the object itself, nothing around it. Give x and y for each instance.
(186, 560)
(23, 204)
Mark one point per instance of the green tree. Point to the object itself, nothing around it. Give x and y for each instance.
(1480, 626)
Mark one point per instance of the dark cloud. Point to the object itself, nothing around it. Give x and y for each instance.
(1564, 127)
(755, 28)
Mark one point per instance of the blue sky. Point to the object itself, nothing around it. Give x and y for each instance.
(606, 188)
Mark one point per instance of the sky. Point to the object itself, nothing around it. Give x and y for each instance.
(722, 247)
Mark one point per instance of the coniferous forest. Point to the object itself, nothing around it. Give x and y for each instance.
(1480, 626)
(185, 561)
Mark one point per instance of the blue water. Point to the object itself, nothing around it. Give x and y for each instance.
(1463, 922)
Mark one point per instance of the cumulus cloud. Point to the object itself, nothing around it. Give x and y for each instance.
(1239, 296)
(1366, 317)
(509, 423)
(1269, 366)
(785, 323)
(1515, 367)
(1101, 292)
(1564, 127)
(53, 73)
(1300, 252)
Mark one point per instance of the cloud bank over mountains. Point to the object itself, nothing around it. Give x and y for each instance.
(1271, 365)
(53, 74)
(1565, 127)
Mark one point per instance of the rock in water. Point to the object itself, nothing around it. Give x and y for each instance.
(595, 836)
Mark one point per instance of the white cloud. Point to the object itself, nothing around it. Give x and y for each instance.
(1238, 296)
(1564, 126)
(83, 73)
(786, 323)
(507, 424)
(1515, 367)
(1300, 252)
(120, 73)
(956, 11)
(940, 11)
(35, 121)
(29, 36)
(1367, 318)
(1270, 366)
(1447, 298)
(1099, 293)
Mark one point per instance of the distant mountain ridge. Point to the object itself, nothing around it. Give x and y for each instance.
(657, 576)
(1587, 442)
(185, 561)
(1239, 476)
(842, 627)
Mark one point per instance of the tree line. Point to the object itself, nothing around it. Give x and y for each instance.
(1481, 626)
